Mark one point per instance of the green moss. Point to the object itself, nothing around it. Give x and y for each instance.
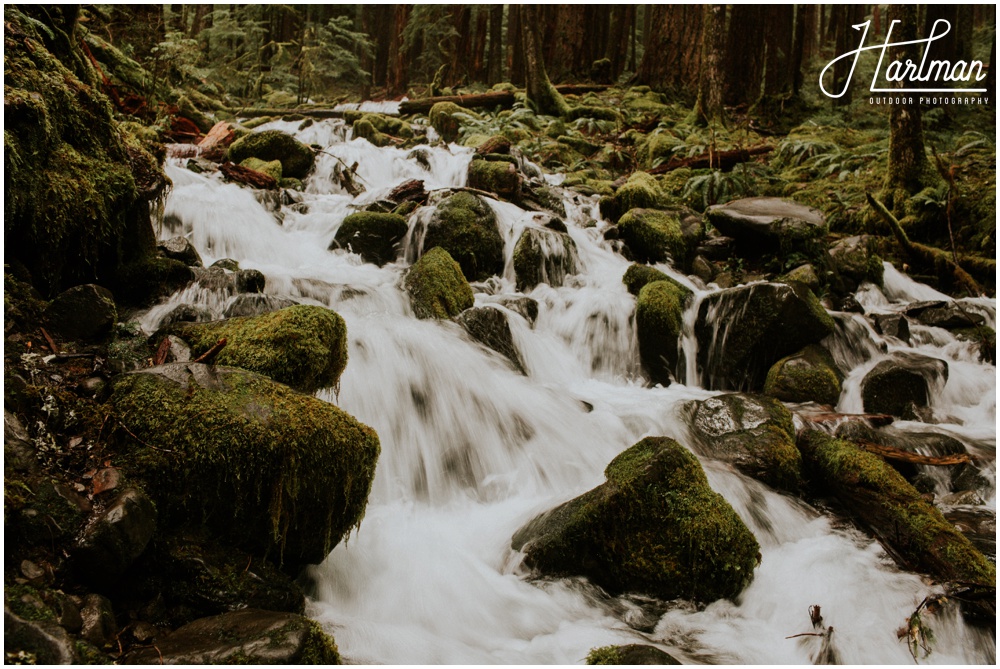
(543, 256)
(270, 168)
(655, 527)
(637, 276)
(656, 147)
(807, 376)
(296, 158)
(659, 313)
(264, 467)
(641, 190)
(365, 129)
(373, 236)
(303, 346)
(466, 227)
(256, 122)
(319, 647)
(445, 119)
(437, 287)
(389, 125)
(919, 536)
(494, 177)
(653, 236)
(592, 111)
(27, 602)
(146, 280)
(604, 655)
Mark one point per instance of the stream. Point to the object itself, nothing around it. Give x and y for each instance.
(472, 449)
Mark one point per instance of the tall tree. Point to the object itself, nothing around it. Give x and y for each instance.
(515, 48)
(674, 48)
(708, 108)
(744, 58)
(494, 68)
(540, 90)
(398, 73)
(778, 71)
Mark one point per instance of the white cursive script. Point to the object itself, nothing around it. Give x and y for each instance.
(910, 72)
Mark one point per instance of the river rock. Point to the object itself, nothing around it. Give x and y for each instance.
(641, 190)
(637, 276)
(806, 275)
(82, 312)
(654, 236)
(633, 654)
(303, 346)
(543, 256)
(268, 469)
(180, 248)
(950, 316)
(523, 306)
(186, 313)
(977, 523)
(659, 314)
(99, 626)
(496, 177)
(743, 331)
(915, 534)
(437, 287)
(754, 432)
(854, 260)
(901, 384)
(116, 537)
(29, 642)
(296, 158)
(489, 327)
(375, 237)
(892, 325)
(761, 224)
(466, 227)
(810, 375)
(654, 527)
(446, 119)
(255, 304)
(250, 636)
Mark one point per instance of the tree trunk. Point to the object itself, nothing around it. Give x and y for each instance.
(709, 106)
(744, 64)
(778, 73)
(515, 48)
(674, 48)
(810, 31)
(398, 76)
(798, 49)
(478, 72)
(494, 69)
(539, 89)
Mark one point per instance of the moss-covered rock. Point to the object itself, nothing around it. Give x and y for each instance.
(543, 256)
(659, 314)
(145, 280)
(437, 287)
(466, 227)
(640, 191)
(914, 533)
(446, 120)
(902, 384)
(372, 236)
(365, 129)
(637, 276)
(271, 168)
(654, 236)
(810, 375)
(489, 327)
(742, 331)
(498, 177)
(266, 468)
(654, 527)
(753, 432)
(250, 636)
(303, 346)
(631, 654)
(82, 312)
(760, 224)
(296, 158)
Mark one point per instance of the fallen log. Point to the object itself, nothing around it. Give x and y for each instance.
(890, 453)
(312, 113)
(723, 160)
(245, 175)
(412, 189)
(492, 99)
(874, 419)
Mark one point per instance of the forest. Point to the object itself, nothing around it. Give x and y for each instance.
(515, 334)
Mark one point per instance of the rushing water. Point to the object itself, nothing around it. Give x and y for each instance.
(471, 449)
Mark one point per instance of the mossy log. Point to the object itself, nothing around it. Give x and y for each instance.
(721, 160)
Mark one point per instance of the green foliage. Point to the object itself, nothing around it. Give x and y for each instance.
(330, 55)
(716, 187)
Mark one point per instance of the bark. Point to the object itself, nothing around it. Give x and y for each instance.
(709, 105)
(744, 60)
(540, 90)
(778, 72)
(515, 50)
(674, 48)
(478, 60)
(494, 70)
(398, 76)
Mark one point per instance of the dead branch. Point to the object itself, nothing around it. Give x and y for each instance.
(724, 160)
(162, 352)
(208, 356)
(51, 343)
(245, 175)
(890, 453)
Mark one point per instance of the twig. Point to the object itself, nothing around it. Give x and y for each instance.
(209, 355)
(132, 434)
(48, 338)
(890, 453)
(794, 636)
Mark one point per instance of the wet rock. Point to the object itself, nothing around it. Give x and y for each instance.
(288, 475)
(743, 331)
(179, 350)
(654, 236)
(806, 275)
(180, 248)
(489, 327)
(99, 626)
(466, 227)
(759, 224)
(612, 233)
(375, 237)
(810, 375)
(445, 119)
(437, 287)
(703, 269)
(985, 340)
(901, 384)
(753, 432)
(633, 654)
(250, 281)
(717, 247)
(950, 317)
(977, 523)
(271, 168)
(659, 312)
(641, 190)
(82, 312)
(854, 260)
(116, 537)
(654, 527)
(851, 305)
(186, 313)
(28, 642)
(525, 307)
(543, 256)
(251, 636)
(892, 325)
(296, 158)
(637, 276)
(303, 346)
(494, 177)
(227, 264)
(255, 304)
(915, 534)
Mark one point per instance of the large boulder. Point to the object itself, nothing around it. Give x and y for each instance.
(490, 328)
(82, 312)
(267, 145)
(637, 276)
(374, 237)
(654, 527)
(901, 384)
(499, 177)
(654, 236)
(659, 317)
(114, 538)
(854, 260)
(742, 331)
(543, 256)
(437, 287)
(754, 432)
(760, 224)
(303, 346)
(266, 468)
(915, 533)
(250, 636)
(466, 227)
(811, 375)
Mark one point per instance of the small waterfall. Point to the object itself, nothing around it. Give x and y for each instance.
(472, 449)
